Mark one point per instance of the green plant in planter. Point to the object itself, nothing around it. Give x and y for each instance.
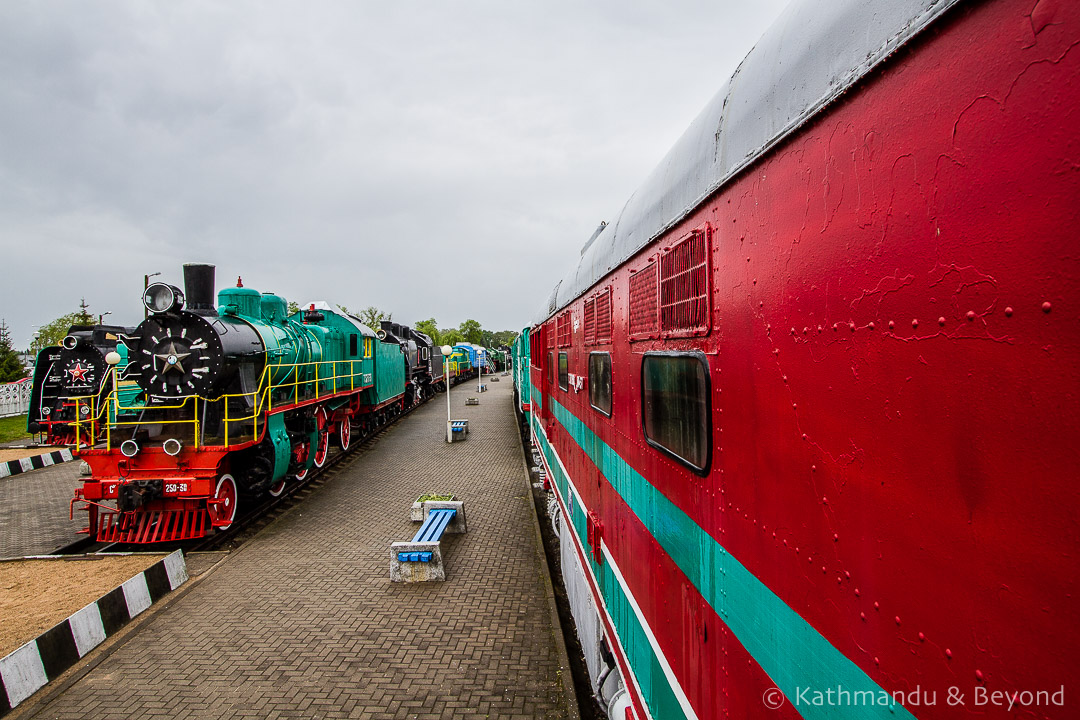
(435, 497)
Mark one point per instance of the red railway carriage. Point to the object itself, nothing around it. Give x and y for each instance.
(810, 404)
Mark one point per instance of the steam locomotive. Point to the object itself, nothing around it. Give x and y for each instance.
(235, 400)
(75, 368)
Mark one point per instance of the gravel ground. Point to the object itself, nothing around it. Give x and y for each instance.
(20, 453)
(37, 594)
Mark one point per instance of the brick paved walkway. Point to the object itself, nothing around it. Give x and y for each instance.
(34, 511)
(304, 622)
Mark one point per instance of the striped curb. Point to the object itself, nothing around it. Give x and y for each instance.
(35, 462)
(31, 667)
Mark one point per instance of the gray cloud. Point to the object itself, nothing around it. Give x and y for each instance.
(433, 159)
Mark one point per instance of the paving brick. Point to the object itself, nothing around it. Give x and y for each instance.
(34, 511)
(303, 621)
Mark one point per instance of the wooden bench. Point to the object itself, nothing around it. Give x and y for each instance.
(420, 559)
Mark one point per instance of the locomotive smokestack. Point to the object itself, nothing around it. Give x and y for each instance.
(199, 288)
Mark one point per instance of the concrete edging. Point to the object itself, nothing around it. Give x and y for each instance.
(31, 667)
(35, 462)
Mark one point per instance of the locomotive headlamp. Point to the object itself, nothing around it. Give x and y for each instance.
(85, 410)
(70, 342)
(171, 447)
(129, 448)
(46, 411)
(162, 297)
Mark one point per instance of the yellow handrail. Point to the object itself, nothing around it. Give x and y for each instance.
(261, 401)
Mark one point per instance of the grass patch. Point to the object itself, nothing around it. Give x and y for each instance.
(13, 428)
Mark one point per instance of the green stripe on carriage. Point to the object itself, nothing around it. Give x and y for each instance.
(655, 688)
(794, 655)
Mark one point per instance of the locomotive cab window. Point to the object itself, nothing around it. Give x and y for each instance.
(353, 344)
(600, 382)
(675, 406)
(564, 372)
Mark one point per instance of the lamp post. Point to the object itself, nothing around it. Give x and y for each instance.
(102, 316)
(146, 284)
(446, 350)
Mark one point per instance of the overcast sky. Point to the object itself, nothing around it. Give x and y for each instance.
(442, 159)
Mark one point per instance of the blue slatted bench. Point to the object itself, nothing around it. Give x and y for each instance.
(420, 559)
(431, 531)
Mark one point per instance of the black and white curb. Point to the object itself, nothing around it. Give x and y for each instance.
(35, 462)
(31, 667)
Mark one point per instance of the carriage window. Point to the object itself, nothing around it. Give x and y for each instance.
(600, 382)
(564, 374)
(675, 406)
(551, 368)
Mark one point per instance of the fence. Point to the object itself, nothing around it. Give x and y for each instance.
(15, 397)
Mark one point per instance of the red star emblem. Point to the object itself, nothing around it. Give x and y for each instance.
(78, 372)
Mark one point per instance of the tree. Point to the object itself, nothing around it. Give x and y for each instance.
(83, 317)
(372, 316)
(429, 328)
(452, 336)
(504, 337)
(294, 307)
(471, 331)
(11, 368)
(52, 333)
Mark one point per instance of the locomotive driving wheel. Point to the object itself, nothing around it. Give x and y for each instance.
(323, 447)
(223, 509)
(277, 488)
(345, 433)
(302, 450)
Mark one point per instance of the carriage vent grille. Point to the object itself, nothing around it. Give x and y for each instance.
(643, 317)
(562, 329)
(684, 286)
(537, 343)
(603, 317)
(598, 318)
(590, 321)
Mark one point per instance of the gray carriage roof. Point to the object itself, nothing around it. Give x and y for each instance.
(815, 51)
(323, 305)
